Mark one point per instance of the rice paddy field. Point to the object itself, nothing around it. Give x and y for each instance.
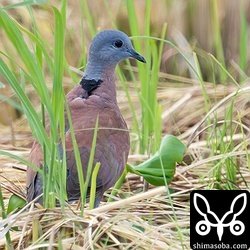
(195, 86)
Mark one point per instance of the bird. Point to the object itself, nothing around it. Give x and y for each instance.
(94, 96)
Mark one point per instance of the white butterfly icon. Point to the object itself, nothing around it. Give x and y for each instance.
(236, 227)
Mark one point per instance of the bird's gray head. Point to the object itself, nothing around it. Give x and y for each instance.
(108, 48)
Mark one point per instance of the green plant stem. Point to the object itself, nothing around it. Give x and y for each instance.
(4, 216)
(118, 185)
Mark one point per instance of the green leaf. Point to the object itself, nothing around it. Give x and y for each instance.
(160, 168)
(140, 229)
(15, 202)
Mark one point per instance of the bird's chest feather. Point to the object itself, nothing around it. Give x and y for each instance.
(112, 145)
(112, 129)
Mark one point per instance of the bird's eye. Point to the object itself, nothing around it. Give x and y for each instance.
(118, 43)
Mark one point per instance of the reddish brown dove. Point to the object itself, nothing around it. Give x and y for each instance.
(94, 96)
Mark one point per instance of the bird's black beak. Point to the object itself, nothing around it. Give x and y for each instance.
(136, 55)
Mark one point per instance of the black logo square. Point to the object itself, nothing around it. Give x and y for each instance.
(220, 219)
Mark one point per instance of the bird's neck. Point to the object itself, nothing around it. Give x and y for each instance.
(95, 70)
(105, 75)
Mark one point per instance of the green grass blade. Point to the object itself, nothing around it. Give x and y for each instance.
(91, 159)
(24, 3)
(119, 183)
(78, 159)
(88, 16)
(217, 37)
(243, 44)
(29, 110)
(34, 69)
(93, 185)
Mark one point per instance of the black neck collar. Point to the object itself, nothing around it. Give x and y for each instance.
(90, 84)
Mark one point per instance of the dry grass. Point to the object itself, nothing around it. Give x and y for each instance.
(145, 219)
(137, 222)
